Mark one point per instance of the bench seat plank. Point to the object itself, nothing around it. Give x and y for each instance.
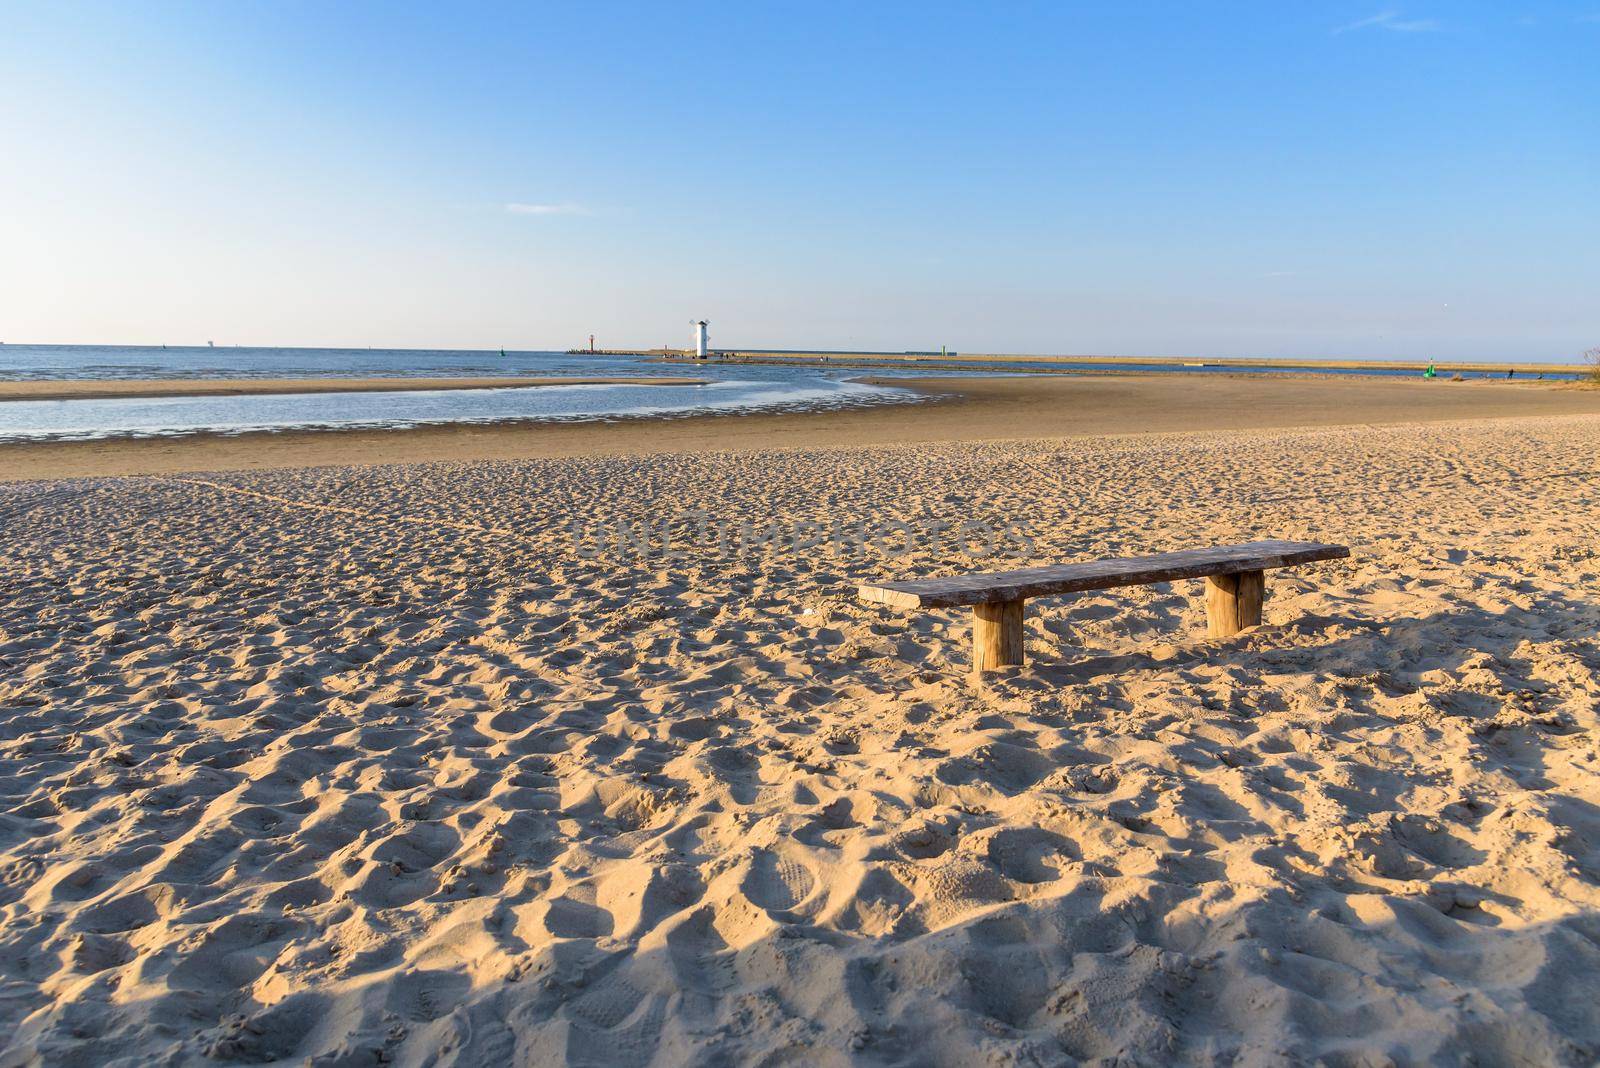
(1029, 582)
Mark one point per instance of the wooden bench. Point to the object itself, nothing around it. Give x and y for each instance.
(1235, 585)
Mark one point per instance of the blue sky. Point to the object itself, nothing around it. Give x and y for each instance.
(1306, 179)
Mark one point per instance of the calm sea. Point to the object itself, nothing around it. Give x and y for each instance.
(731, 387)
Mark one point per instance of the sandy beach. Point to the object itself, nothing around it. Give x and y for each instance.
(586, 759)
(956, 409)
(733, 536)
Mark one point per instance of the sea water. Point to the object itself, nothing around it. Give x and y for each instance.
(730, 387)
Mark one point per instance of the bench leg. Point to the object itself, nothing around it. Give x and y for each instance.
(1233, 602)
(996, 635)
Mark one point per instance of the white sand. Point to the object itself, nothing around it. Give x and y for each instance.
(370, 766)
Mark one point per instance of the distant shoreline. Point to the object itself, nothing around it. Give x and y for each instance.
(1104, 364)
(116, 389)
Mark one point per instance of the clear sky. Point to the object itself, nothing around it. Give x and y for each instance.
(1207, 178)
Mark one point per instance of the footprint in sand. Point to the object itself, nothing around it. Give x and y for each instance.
(129, 912)
(638, 901)
(83, 881)
(608, 1003)
(568, 917)
(928, 837)
(234, 953)
(1030, 854)
(776, 882)
(425, 996)
(194, 861)
(91, 953)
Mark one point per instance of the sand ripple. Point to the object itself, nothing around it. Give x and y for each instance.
(379, 765)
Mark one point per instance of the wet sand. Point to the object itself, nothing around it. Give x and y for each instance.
(958, 409)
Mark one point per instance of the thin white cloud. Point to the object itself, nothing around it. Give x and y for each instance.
(546, 209)
(1393, 21)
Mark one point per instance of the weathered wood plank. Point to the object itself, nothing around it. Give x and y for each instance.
(962, 590)
(1233, 602)
(996, 635)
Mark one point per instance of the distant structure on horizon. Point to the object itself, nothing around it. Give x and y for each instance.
(700, 338)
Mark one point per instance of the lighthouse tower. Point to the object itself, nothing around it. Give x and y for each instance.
(700, 338)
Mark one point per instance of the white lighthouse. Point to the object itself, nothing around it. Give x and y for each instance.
(700, 339)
